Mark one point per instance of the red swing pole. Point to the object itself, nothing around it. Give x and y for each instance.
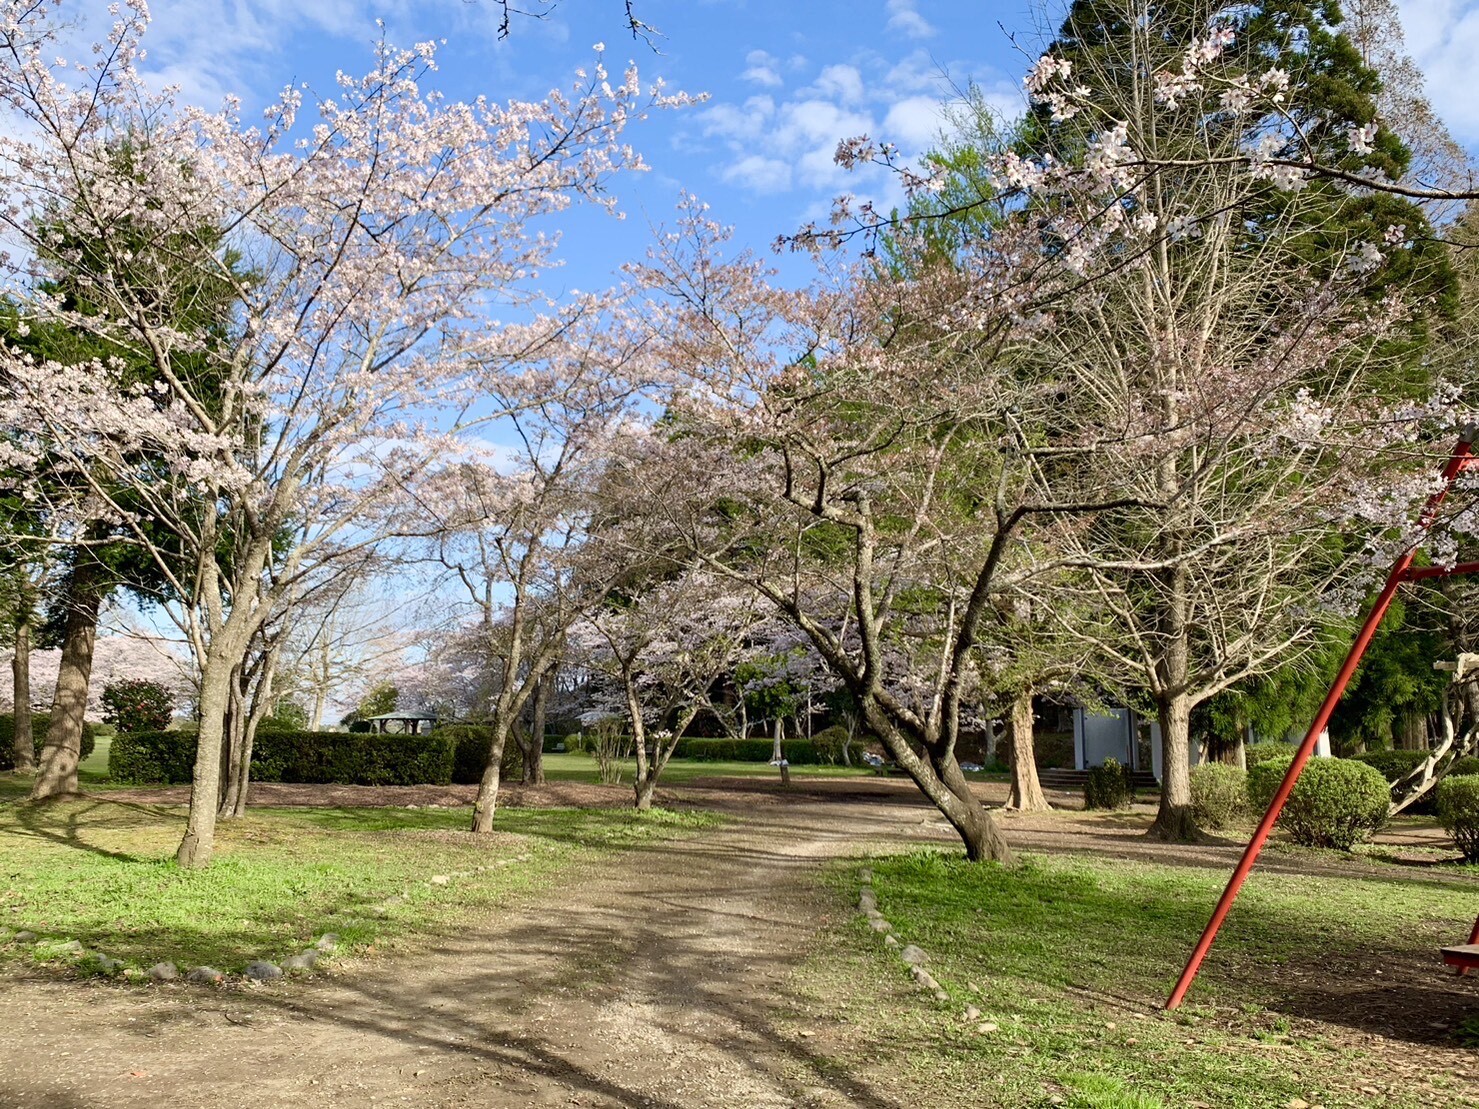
(1401, 572)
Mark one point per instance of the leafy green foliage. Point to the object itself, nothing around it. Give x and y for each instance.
(347, 758)
(39, 723)
(1458, 812)
(1336, 802)
(1256, 753)
(1110, 786)
(470, 744)
(138, 705)
(1219, 794)
(381, 699)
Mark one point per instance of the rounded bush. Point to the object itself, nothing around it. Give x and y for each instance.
(1336, 802)
(138, 705)
(1458, 812)
(1219, 794)
(1110, 786)
(1255, 753)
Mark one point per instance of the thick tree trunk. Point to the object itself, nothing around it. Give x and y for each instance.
(1174, 821)
(777, 752)
(200, 829)
(487, 801)
(57, 774)
(1026, 793)
(534, 748)
(20, 672)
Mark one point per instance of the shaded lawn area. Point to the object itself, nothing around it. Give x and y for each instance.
(1323, 990)
(570, 766)
(101, 871)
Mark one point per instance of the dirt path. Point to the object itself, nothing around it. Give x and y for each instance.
(665, 999)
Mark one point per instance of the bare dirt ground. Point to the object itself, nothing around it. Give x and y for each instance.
(655, 979)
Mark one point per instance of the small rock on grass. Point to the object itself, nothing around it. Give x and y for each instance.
(300, 964)
(209, 976)
(165, 972)
(440, 879)
(986, 1027)
(330, 940)
(880, 925)
(914, 956)
(25, 937)
(972, 1013)
(892, 941)
(262, 971)
(71, 947)
(941, 995)
(865, 876)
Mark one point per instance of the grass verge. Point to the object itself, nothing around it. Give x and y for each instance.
(1323, 990)
(101, 871)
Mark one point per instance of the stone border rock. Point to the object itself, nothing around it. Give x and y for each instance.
(911, 955)
(257, 970)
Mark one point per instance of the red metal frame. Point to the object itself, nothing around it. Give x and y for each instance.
(1403, 571)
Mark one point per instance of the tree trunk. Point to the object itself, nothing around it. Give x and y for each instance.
(1174, 822)
(58, 770)
(1026, 793)
(776, 752)
(200, 829)
(534, 749)
(487, 802)
(234, 732)
(20, 671)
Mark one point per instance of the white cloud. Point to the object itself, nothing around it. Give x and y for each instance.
(915, 122)
(1443, 38)
(904, 17)
(763, 69)
(843, 82)
(759, 174)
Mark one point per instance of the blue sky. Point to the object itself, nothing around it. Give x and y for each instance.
(787, 80)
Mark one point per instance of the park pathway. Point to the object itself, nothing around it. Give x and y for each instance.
(655, 979)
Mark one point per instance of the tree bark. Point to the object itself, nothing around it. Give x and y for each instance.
(1174, 822)
(776, 751)
(59, 757)
(534, 748)
(234, 732)
(487, 801)
(1025, 794)
(20, 671)
(200, 829)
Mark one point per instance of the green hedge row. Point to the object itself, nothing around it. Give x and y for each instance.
(39, 723)
(345, 758)
(798, 752)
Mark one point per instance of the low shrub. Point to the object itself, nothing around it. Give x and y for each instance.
(40, 721)
(798, 752)
(829, 743)
(1336, 802)
(1463, 767)
(1255, 753)
(470, 744)
(352, 758)
(346, 758)
(1392, 765)
(152, 758)
(1110, 786)
(575, 742)
(1458, 812)
(1219, 794)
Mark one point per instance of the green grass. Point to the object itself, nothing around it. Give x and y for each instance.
(101, 871)
(579, 767)
(1073, 957)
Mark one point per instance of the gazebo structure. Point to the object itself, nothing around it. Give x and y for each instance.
(403, 723)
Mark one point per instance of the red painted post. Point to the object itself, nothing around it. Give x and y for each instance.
(1473, 938)
(1400, 573)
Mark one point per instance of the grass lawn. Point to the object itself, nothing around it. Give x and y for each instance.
(579, 767)
(1321, 991)
(101, 871)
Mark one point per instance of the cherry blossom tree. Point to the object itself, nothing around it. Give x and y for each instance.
(661, 648)
(365, 250)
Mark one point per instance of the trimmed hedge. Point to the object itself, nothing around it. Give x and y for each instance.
(1392, 764)
(345, 758)
(1219, 794)
(798, 752)
(153, 758)
(1336, 802)
(39, 723)
(1110, 786)
(1255, 753)
(1458, 812)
